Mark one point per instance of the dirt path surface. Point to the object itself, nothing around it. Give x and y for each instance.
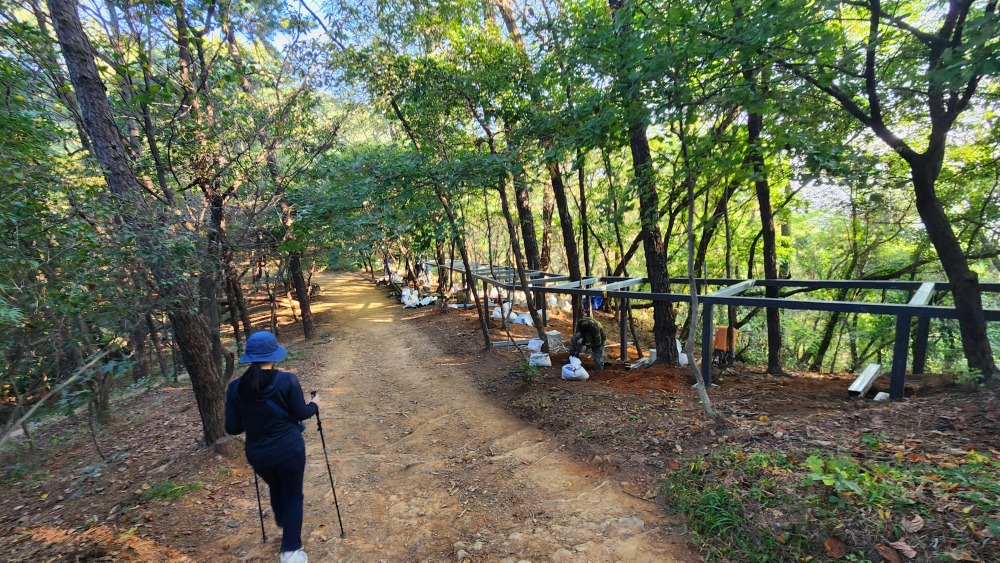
(427, 468)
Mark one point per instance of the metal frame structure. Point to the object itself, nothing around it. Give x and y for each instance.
(731, 293)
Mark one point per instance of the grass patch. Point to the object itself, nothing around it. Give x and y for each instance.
(769, 506)
(167, 490)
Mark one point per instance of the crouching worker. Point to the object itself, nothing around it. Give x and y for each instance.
(269, 406)
(589, 334)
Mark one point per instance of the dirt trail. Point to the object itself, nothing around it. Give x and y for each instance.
(429, 469)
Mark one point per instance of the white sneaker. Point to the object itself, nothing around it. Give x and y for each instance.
(297, 556)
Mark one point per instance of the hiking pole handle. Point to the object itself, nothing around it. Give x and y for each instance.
(319, 424)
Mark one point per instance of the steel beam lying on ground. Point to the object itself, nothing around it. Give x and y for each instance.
(864, 381)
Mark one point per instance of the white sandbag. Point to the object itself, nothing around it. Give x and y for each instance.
(535, 344)
(566, 305)
(539, 359)
(551, 300)
(573, 371)
(511, 317)
(682, 359)
(652, 355)
(428, 300)
(524, 319)
(496, 313)
(679, 348)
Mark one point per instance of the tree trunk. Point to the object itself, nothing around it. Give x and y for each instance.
(816, 363)
(154, 337)
(234, 315)
(584, 221)
(526, 220)
(637, 119)
(708, 230)
(210, 280)
(964, 282)
(59, 84)
(138, 348)
(548, 209)
(664, 324)
(536, 319)
(301, 294)
(569, 235)
(699, 376)
(770, 256)
(196, 354)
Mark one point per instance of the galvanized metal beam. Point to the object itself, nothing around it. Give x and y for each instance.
(864, 380)
(735, 289)
(923, 295)
(618, 284)
(572, 285)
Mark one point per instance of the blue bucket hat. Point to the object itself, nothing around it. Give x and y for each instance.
(263, 347)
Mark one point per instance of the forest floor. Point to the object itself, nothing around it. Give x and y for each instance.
(443, 451)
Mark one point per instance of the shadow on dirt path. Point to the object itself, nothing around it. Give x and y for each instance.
(427, 468)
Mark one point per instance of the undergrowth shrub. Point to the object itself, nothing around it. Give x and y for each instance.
(770, 506)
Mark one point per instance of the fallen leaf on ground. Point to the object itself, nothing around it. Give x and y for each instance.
(835, 548)
(904, 548)
(888, 553)
(913, 526)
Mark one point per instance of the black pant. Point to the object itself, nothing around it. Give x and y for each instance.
(284, 479)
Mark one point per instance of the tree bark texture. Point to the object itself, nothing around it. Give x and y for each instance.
(584, 219)
(770, 254)
(566, 223)
(519, 261)
(192, 334)
(664, 324)
(964, 282)
(526, 220)
(548, 210)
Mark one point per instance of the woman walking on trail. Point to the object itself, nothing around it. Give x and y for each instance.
(269, 406)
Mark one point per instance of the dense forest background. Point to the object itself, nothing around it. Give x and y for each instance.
(165, 162)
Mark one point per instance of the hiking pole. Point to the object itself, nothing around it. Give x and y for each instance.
(263, 535)
(319, 425)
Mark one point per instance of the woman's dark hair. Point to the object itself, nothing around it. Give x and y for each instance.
(254, 381)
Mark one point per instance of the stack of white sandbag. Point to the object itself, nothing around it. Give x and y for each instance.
(410, 297)
(566, 304)
(538, 358)
(501, 311)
